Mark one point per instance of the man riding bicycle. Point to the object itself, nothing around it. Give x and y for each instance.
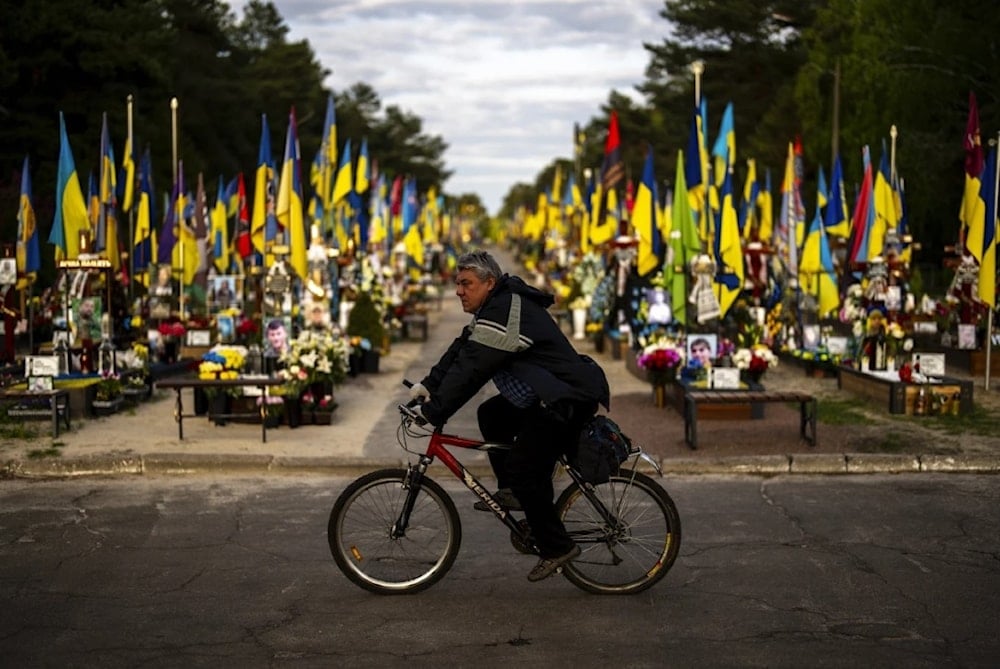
(547, 391)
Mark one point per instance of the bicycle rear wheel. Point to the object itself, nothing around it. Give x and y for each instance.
(630, 554)
(361, 541)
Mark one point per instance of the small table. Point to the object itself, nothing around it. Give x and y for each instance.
(58, 405)
(179, 384)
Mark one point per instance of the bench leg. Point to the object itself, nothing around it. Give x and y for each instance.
(807, 420)
(179, 414)
(691, 423)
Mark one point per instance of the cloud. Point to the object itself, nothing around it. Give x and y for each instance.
(501, 82)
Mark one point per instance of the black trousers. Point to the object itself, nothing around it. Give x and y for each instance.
(538, 435)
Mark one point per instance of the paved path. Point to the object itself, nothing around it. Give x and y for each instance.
(363, 433)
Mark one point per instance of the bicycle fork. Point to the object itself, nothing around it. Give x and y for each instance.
(411, 484)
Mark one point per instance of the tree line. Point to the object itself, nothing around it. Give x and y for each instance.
(784, 64)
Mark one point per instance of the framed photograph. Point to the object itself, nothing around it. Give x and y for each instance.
(39, 384)
(836, 345)
(224, 293)
(226, 328)
(8, 271)
(199, 338)
(163, 283)
(86, 313)
(41, 365)
(966, 336)
(810, 337)
(724, 378)
(702, 347)
(894, 298)
(925, 327)
(931, 364)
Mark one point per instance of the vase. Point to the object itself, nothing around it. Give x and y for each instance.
(221, 407)
(200, 402)
(659, 395)
(579, 323)
(369, 361)
(293, 412)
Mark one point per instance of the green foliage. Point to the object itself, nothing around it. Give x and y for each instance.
(365, 321)
(85, 58)
(837, 412)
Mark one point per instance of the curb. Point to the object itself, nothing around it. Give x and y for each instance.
(181, 464)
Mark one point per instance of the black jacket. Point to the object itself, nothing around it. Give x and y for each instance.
(513, 332)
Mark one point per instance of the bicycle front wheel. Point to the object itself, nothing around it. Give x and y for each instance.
(360, 533)
(631, 551)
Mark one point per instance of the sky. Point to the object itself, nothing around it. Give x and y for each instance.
(502, 83)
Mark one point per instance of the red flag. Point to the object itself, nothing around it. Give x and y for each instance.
(612, 171)
(244, 245)
(972, 143)
(396, 197)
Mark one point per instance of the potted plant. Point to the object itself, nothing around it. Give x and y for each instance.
(364, 325)
(107, 394)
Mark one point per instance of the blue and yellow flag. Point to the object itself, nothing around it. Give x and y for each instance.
(646, 220)
(219, 233)
(142, 251)
(70, 220)
(29, 260)
(263, 192)
(289, 206)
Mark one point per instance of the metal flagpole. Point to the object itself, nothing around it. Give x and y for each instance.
(992, 307)
(173, 121)
(131, 216)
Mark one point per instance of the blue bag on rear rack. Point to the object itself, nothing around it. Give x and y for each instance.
(600, 450)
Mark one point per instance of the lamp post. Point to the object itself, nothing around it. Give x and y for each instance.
(697, 68)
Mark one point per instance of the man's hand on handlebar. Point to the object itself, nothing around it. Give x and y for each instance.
(419, 393)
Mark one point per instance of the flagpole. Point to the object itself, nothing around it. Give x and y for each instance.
(992, 307)
(173, 124)
(131, 216)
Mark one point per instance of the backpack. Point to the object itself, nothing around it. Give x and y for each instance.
(600, 450)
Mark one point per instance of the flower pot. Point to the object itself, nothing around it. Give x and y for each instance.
(579, 323)
(221, 407)
(293, 412)
(369, 361)
(659, 395)
(200, 402)
(106, 407)
(322, 417)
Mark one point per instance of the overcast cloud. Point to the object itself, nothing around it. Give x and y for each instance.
(501, 82)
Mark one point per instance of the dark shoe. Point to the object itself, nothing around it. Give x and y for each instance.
(504, 498)
(548, 566)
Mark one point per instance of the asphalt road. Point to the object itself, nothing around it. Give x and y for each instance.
(872, 571)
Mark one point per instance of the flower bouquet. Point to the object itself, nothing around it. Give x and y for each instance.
(754, 361)
(108, 388)
(221, 363)
(661, 359)
(314, 358)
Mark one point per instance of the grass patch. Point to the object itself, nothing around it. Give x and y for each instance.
(52, 451)
(842, 412)
(890, 442)
(979, 421)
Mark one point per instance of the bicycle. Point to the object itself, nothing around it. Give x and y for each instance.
(396, 531)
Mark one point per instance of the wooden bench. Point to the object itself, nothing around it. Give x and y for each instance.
(415, 326)
(692, 398)
(179, 384)
(38, 404)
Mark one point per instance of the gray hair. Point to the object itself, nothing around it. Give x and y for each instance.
(480, 263)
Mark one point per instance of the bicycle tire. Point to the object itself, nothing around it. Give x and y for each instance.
(359, 534)
(636, 554)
